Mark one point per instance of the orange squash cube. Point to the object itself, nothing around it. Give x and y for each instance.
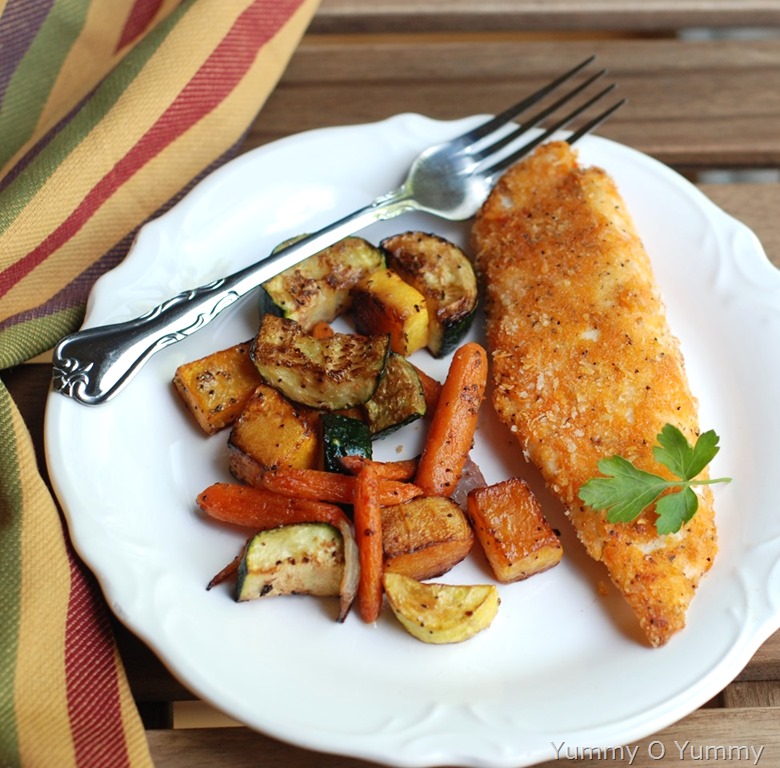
(516, 538)
(271, 433)
(424, 537)
(383, 303)
(216, 388)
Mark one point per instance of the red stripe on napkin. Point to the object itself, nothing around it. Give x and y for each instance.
(139, 18)
(215, 80)
(91, 677)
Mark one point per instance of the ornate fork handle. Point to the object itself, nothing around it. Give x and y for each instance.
(92, 365)
(450, 180)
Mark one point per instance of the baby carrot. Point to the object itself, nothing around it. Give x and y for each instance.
(319, 485)
(368, 534)
(454, 422)
(259, 508)
(403, 469)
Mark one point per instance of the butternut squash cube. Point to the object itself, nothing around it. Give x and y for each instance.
(509, 524)
(216, 388)
(424, 537)
(270, 433)
(383, 303)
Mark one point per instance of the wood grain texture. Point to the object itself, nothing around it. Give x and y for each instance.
(749, 727)
(694, 106)
(541, 15)
(757, 215)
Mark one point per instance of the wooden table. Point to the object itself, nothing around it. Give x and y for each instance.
(701, 106)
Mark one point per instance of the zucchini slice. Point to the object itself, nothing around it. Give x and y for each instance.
(343, 436)
(399, 399)
(442, 273)
(318, 289)
(330, 374)
(298, 559)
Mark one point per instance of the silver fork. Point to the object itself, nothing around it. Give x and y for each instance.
(450, 180)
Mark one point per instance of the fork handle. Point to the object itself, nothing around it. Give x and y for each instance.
(93, 365)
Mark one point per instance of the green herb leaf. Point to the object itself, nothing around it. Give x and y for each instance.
(675, 509)
(674, 452)
(625, 491)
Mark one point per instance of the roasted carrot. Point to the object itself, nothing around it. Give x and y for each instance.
(431, 389)
(454, 422)
(403, 469)
(313, 484)
(228, 573)
(334, 487)
(259, 508)
(353, 413)
(368, 535)
(322, 330)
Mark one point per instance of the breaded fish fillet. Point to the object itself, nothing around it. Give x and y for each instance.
(584, 365)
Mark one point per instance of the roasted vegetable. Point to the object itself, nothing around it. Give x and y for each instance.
(509, 524)
(424, 537)
(332, 374)
(431, 389)
(334, 487)
(442, 273)
(403, 469)
(300, 559)
(368, 537)
(343, 436)
(399, 399)
(454, 422)
(272, 432)
(383, 303)
(215, 388)
(259, 508)
(441, 613)
(318, 289)
(262, 510)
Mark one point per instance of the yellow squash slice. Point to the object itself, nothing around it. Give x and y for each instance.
(441, 613)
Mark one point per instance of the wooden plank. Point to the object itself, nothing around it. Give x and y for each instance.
(758, 213)
(691, 105)
(765, 664)
(761, 693)
(540, 15)
(683, 743)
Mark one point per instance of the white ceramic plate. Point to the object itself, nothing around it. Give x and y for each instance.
(561, 662)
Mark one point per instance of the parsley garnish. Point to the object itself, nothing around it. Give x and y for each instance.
(626, 491)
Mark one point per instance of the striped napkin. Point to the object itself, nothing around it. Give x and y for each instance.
(110, 110)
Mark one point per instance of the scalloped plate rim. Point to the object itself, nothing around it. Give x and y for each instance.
(412, 128)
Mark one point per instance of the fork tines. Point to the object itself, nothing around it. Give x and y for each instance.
(512, 124)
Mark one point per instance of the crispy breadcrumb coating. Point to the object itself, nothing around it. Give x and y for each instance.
(585, 366)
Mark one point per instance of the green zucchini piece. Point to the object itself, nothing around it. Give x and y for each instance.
(399, 399)
(343, 436)
(319, 288)
(442, 273)
(332, 374)
(298, 559)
